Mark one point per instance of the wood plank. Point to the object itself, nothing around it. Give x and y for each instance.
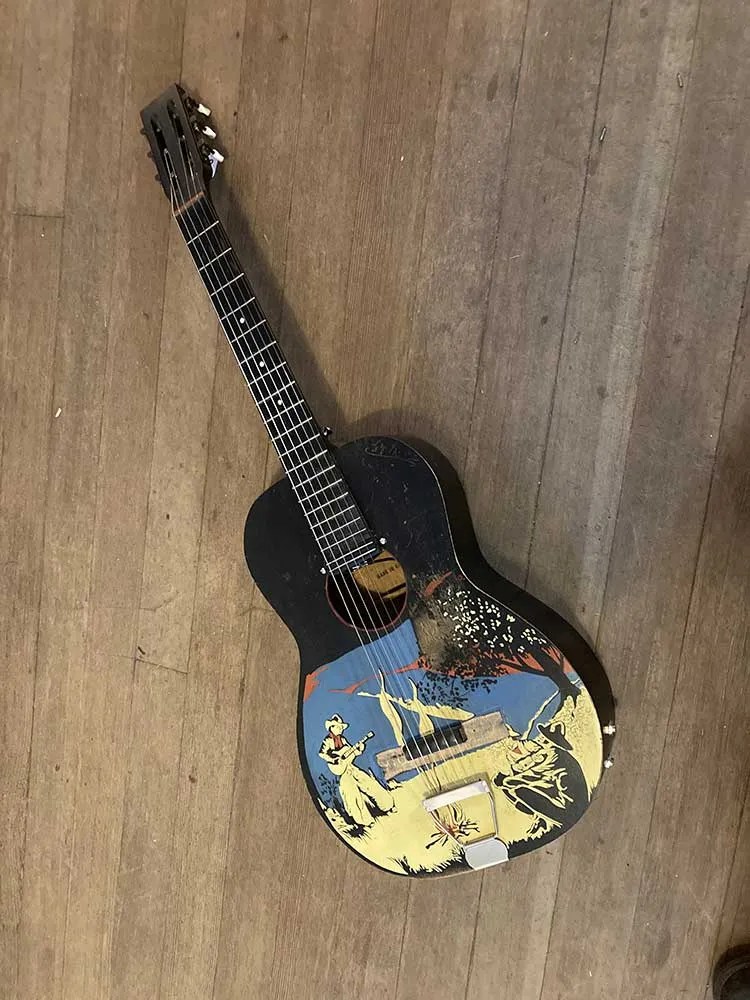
(608, 259)
(267, 126)
(625, 180)
(480, 73)
(187, 363)
(12, 26)
(512, 927)
(27, 393)
(61, 727)
(103, 807)
(270, 811)
(325, 187)
(695, 824)
(641, 103)
(394, 175)
(215, 624)
(119, 532)
(212, 711)
(44, 107)
(667, 473)
(143, 877)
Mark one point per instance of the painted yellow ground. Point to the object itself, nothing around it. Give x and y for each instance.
(401, 838)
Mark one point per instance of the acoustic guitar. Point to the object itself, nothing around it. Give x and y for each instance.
(447, 720)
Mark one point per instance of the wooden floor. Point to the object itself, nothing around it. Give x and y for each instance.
(520, 229)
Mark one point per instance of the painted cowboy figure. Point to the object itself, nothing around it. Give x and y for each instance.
(545, 779)
(362, 795)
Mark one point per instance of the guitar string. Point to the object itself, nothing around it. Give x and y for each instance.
(337, 578)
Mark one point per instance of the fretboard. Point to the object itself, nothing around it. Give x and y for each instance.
(341, 532)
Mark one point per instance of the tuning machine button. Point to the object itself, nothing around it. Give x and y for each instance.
(203, 110)
(207, 130)
(214, 159)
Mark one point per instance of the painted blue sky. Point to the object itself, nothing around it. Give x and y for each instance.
(517, 696)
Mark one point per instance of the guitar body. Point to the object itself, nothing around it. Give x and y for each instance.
(473, 684)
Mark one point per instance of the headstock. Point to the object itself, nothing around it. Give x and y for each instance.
(181, 141)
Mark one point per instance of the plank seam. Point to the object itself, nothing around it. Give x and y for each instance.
(43, 542)
(498, 230)
(571, 275)
(427, 189)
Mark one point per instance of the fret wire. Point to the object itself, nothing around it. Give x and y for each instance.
(327, 503)
(270, 399)
(324, 534)
(249, 350)
(198, 235)
(361, 548)
(217, 257)
(269, 371)
(282, 388)
(307, 458)
(288, 430)
(240, 306)
(338, 513)
(235, 278)
(316, 475)
(296, 447)
(314, 493)
(244, 332)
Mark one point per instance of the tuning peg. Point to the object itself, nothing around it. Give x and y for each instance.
(214, 159)
(203, 110)
(207, 130)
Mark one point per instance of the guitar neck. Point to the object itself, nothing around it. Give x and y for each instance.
(341, 532)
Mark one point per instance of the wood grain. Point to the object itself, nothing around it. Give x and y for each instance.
(150, 745)
(668, 470)
(397, 153)
(28, 351)
(450, 244)
(689, 855)
(74, 761)
(44, 106)
(481, 67)
(143, 877)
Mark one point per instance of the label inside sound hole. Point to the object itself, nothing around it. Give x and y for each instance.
(371, 597)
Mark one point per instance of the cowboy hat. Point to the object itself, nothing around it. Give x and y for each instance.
(336, 718)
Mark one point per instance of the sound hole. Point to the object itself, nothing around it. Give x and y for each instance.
(371, 597)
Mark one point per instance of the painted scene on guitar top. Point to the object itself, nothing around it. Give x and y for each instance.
(463, 691)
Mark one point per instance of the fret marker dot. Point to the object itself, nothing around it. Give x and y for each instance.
(261, 364)
(279, 401)
(242, 319)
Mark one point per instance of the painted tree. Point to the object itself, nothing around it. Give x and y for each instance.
(471, 636)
